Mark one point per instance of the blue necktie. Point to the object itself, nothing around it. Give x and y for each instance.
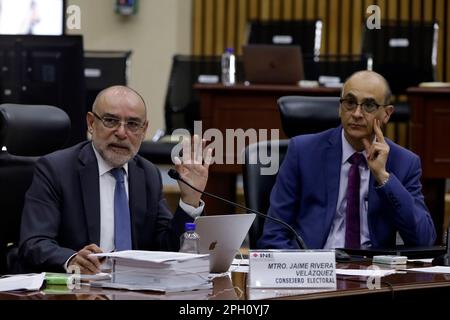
(352, 219)
(122, 224)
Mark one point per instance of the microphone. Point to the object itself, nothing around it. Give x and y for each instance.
(301, 244)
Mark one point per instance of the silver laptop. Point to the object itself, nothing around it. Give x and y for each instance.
(274, 64)
(221, 237)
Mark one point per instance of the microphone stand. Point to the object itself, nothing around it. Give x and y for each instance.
(301, 244)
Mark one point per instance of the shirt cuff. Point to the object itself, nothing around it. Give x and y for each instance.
(66, 265)
(190, 210)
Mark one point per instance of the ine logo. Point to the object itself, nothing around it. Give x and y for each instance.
(73, 20)
(374, 20)
(262, 255)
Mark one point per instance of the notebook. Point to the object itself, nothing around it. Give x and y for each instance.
(221, 237)
(274, 64)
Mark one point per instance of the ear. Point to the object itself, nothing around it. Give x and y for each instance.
(144, 129)
(90, 122)
(388, 111)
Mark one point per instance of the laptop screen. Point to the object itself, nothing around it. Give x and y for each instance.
(273, 64)
(221, 236)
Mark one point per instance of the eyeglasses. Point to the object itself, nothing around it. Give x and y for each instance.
(369, 106)
(113, 123)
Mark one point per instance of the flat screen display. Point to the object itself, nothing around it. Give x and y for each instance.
(38, 17)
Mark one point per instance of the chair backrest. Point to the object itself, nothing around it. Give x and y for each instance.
(405, 53)
(182, 102)
(305, 33)
(305, 114)
(342, 66)
(257, 186)
(26, 131)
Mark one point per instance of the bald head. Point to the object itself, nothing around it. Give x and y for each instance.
(116, 92)
(375, 79)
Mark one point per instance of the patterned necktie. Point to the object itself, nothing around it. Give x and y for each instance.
(122, 225)
(352, 219)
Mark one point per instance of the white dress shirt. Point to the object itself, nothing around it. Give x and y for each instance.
(107, 185)
(336, 237)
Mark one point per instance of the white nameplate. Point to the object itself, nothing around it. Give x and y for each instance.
(292, 269)
(92, 73)
(208, 78)
(282, 39)
(399, 43)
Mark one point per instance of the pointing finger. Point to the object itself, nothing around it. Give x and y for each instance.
(378, 132)
(367, 146)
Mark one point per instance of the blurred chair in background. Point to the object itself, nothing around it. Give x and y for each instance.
(182, 106)
(306, 114)
(26, 132)
(299, 115)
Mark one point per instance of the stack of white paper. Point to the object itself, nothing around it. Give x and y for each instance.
(157, 271)
(22, 282)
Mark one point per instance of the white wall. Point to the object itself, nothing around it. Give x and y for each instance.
(160, 29)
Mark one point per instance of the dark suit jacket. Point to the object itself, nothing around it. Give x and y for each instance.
(61, 213)
(306, 192)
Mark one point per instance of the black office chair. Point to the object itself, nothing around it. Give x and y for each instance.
(304, 114)
(339, 65)
(405, 53)
(305, 33)
(257, 186)
(26, 132)
(299, 115)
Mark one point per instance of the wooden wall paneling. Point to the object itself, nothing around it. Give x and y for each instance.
(332, 29)
(219, 35)
(299, 9)
(276, 9)
(253, 9)
(416, 10)
(322, 14)
(428, 10)
(391, 9)
(221, 23)
(231, 23)
(197, 27)
(357, 22)
(345, 35)
(208, 30)
(241, 25)
(288, 10)
(265, 10)
(310, 9)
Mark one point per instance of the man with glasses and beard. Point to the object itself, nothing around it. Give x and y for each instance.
(100, 196)
(350, 187)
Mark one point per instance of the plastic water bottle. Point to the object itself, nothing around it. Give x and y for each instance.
(228, 67)
(189, 239)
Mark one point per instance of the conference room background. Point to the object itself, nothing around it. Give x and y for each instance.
(221, 23)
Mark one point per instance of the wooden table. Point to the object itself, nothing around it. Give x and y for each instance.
(426, 286)
(242, 107)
